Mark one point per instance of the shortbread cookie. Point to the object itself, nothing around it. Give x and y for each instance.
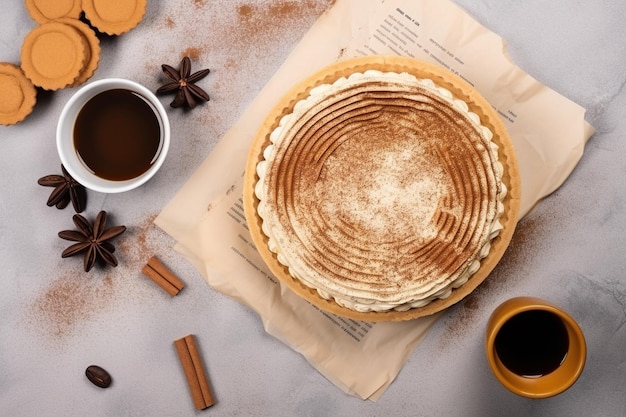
(53, 55)
(17, 94)
(114, 17)
(93, 48)
(43, 11)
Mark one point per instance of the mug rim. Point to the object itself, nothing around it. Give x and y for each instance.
(552, 383)
(65, 139)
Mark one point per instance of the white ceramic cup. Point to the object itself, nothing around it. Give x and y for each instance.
(65, 136)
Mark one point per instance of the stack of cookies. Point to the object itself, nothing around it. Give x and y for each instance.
(62, 51)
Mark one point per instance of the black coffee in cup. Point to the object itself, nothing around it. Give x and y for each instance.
(532, 343)
(118, 134)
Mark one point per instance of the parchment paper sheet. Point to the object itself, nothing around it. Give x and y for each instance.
(206, 218)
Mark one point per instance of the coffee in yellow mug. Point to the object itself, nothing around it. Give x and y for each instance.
(534, 348)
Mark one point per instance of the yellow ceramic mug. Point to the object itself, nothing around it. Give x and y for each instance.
(518, 351)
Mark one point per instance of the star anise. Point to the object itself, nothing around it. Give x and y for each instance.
(66, 189)
(94, 241)
(183, 83)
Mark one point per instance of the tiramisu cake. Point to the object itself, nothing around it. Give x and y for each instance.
(379, 191)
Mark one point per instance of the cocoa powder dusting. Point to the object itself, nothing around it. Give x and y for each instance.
(192, 53)
(286, 8)
(140, 247)
(71, 300)
(262, 22)
(244, 11)
(169, 23)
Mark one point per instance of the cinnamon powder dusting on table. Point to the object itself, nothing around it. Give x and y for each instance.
(169, 23)
(260, 21)
(192, 53)
(143, 241)
(70, 300)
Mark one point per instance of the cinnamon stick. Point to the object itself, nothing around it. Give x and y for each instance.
(194, 372)
(160, 274)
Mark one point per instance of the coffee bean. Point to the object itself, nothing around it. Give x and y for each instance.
(98, 376)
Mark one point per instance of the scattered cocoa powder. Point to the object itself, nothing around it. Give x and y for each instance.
(151, 68)
(471, 302)
(520, 250)
(140, 246)
(231, 64)
(261, 22)
(192, 53)
(287, 8)
(169, 23)
(70, 300)
(244, 11)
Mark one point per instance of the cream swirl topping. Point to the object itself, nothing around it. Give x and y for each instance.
(381, 191)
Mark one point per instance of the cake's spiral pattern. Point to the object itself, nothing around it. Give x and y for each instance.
(381, 191)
